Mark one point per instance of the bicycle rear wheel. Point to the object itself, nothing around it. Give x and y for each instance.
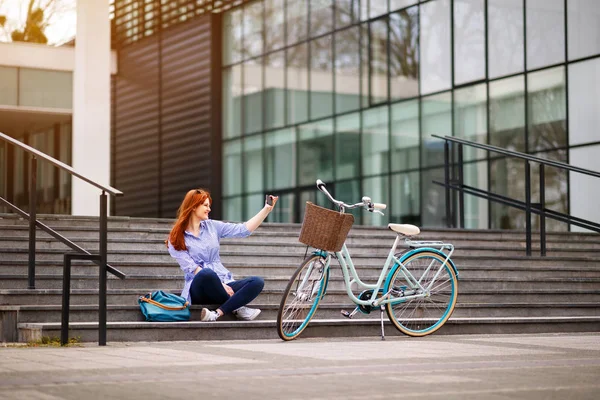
(301, 297)
(428, 310)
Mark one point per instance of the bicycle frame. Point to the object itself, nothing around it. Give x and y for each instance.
(348, 268)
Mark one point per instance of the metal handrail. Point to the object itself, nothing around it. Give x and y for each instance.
(100, 258)
(457, 183)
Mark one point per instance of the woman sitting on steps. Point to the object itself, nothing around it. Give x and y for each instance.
(194, 243)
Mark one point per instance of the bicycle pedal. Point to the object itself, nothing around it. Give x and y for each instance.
(346, 314)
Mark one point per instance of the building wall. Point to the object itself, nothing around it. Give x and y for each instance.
(165, 134)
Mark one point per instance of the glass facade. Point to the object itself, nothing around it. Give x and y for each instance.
(351, 91)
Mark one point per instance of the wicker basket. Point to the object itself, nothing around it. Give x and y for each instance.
(325, 229)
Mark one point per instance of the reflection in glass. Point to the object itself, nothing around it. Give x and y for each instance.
(584, 102)
(470, 118)
(505, 37)
(285, 210)
(406, 199)
(253, 163)
(378, 36)
(405, 135)
(274, 90)
(584, 29)
(404, 53)
(545, 33)
(555, 191)
(252, 204)
(297, 84)
(274, 25)
(297, 21)
(252, 26)
(349, 192)
(321, 78)
(375, 146)
(377, 8)
(397, 4)
(9, 86)
(232, 167)
(43, 88)
(253, 96)
(469, 41)
(436, 119)
(232, 209)
(434, 198)
(232, 36)
(232, 97)
(364, 64)
(584, 189)
(280, 159)
(321, 17)
(315, 152)
(347, 70)
(347, 146)
(346, 12)
(378, 190)
(547, 109)
(435, 46)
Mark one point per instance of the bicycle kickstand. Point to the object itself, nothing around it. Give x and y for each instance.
(382, 331)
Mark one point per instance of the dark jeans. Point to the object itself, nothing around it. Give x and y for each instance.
(207, 289)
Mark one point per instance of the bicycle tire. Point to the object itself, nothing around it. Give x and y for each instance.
(423, 315)
(305, 303)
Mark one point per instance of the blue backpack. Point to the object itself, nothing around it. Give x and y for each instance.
(164, 307)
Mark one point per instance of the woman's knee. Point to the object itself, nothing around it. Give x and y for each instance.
(258, 282)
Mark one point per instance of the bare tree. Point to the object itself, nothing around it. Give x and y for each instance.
(39, 15)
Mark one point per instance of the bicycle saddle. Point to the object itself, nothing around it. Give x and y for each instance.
(405, 229)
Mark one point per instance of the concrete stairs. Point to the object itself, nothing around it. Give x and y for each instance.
(500, 289)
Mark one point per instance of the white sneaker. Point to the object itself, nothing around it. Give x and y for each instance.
(207, 315)
(246, 313)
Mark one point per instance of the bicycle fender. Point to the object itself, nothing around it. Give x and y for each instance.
(417, 251)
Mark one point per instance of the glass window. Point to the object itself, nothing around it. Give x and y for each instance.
(274, 25)
(475, 174)
(253, 204)
(253, 96)
(406, 199)
(377, 189)
(469, 41)
(280, 159)
(377, 8)
(545, 32)
(405, 135)
(321, 78)
(349, 192)
(397, 4)
(297, 21)
(434, 198)
(555, 189)
(347, 146)
(275, 90)
(505, 37)
(9, 86)
(584, 102)
(404, 53)
(584, 29)
(584, 190)
(315, 152)
(436, 119)
(321, 17)
(347, 70)
(375, 142)
(42, 88)
(435, 46)
(547, 108)
(285, 210)
(252, 26)
(364, 64)
(378, 36)
(297, 84)
(470, 118)
(232, 209)
(253, 163)
(346, 12)
(232, 36)
(232, 167)
(232, 101)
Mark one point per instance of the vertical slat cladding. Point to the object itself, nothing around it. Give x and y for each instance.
(186, 111)
(136, 129)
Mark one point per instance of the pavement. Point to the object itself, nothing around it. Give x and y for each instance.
(543, 366)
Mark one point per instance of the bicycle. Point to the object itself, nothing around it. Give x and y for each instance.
(419, 292)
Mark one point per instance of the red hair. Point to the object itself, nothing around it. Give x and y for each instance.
(192, 200)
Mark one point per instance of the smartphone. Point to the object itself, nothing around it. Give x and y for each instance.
(269, 200)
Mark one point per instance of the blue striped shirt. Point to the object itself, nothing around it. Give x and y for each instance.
(203, 251)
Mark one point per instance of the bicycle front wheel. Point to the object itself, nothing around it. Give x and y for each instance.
(301, 297)
(423, 302)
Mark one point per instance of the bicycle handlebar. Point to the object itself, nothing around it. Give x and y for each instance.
(366, 202)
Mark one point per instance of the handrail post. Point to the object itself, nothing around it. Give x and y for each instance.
(528, 207)
(461, 193)
(542, 211)
(102, 280)
(32, 221)
(66, 289)
(447, 180)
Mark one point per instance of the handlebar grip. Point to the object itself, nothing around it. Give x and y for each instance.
(380, 206)
(320, 184)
